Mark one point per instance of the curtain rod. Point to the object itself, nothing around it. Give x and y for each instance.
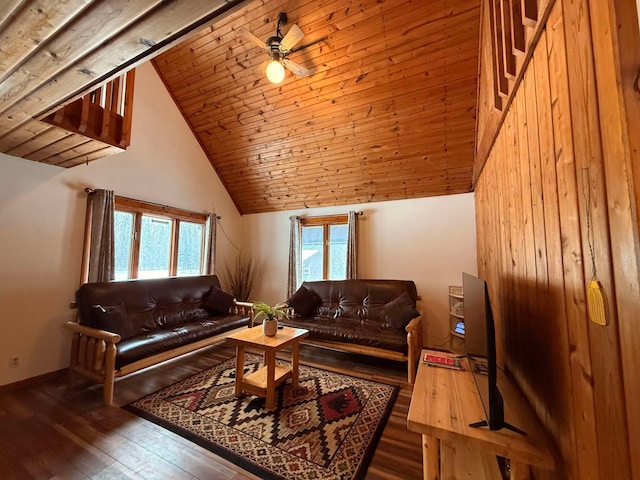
(91, 191)
(359, 213)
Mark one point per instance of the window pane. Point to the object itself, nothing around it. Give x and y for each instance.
(155, 246)
(190, 248)
(312, 253)
(123, 229)
(338, 252)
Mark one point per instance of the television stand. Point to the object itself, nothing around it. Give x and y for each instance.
(444, 403)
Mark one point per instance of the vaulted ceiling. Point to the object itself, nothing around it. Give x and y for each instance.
(388, 112)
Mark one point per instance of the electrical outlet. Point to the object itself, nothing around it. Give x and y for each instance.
(14, 361)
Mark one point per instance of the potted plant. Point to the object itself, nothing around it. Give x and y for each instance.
(271, 316)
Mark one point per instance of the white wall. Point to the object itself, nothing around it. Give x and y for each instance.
(430, 241)
(42, 217)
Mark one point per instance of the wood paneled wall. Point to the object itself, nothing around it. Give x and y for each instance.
(554, 201)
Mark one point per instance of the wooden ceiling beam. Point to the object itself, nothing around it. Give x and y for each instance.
(157, 31)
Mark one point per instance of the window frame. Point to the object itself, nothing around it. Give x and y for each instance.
(325, 222)
(176, 215)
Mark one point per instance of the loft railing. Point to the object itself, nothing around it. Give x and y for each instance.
(103, 114)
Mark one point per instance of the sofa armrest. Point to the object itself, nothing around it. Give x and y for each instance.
(242, 308)
(414, 324)
(93, 332)
(414, 346)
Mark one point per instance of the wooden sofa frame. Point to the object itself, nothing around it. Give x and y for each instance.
(93, 352)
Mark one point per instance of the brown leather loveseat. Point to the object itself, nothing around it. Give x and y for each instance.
(371, 317)
(127, 326)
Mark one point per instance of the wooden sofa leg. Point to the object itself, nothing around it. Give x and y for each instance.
(109, 374)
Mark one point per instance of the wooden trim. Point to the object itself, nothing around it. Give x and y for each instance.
(360, 349)
(131, 205)
(324, 220)
(174, 248)
(9, 387)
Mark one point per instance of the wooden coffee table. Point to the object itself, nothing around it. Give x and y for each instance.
(264, 381)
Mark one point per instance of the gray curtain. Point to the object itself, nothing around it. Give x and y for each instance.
(210, 249)
(352, 245)
(101, 248)
(295, 261)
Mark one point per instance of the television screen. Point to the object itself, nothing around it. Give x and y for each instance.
(479, 340)
(480, 343)
(475, 311)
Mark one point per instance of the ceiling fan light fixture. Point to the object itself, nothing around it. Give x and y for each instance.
(275, 71)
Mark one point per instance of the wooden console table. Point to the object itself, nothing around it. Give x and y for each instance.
(443, 404)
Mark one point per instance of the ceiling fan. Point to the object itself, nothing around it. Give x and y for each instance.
(279, 48)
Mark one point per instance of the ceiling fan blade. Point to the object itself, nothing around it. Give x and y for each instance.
(293, 36)
(297, 69)
(252, 38)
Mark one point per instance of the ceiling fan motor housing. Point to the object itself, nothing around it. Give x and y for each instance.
(274, 42)
(274, 47)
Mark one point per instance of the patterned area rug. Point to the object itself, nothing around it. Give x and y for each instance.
(327, 428)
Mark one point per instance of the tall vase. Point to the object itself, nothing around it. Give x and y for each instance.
(269, 327)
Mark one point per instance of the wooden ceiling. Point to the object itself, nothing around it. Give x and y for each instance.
(389, 112)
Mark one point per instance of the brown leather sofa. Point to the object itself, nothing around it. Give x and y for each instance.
(371, 317)
(126, 326)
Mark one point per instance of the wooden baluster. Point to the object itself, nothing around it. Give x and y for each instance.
(84, 116)
(517, 27)
(106, 112)
(530, 13)
(497, 57)
(127, 114)
(508, 56)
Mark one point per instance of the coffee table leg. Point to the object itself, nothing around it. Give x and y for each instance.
(271, 384)
(239, 369)
(294, 364)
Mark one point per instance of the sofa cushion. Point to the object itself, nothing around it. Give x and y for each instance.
(161, 340)
(150, 303)
(399, 312)
(361, 299)
(304, 302)
(217, 302)
(353, 331)
(112, 318)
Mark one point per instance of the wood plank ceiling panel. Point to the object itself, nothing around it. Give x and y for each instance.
(388, 112)
(54, 52)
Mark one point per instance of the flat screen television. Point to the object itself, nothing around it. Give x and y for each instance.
(480, 347)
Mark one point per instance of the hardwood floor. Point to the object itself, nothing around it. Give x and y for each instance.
(57, 427)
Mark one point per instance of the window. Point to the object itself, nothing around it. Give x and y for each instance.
(153, 241)
(324, 247)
